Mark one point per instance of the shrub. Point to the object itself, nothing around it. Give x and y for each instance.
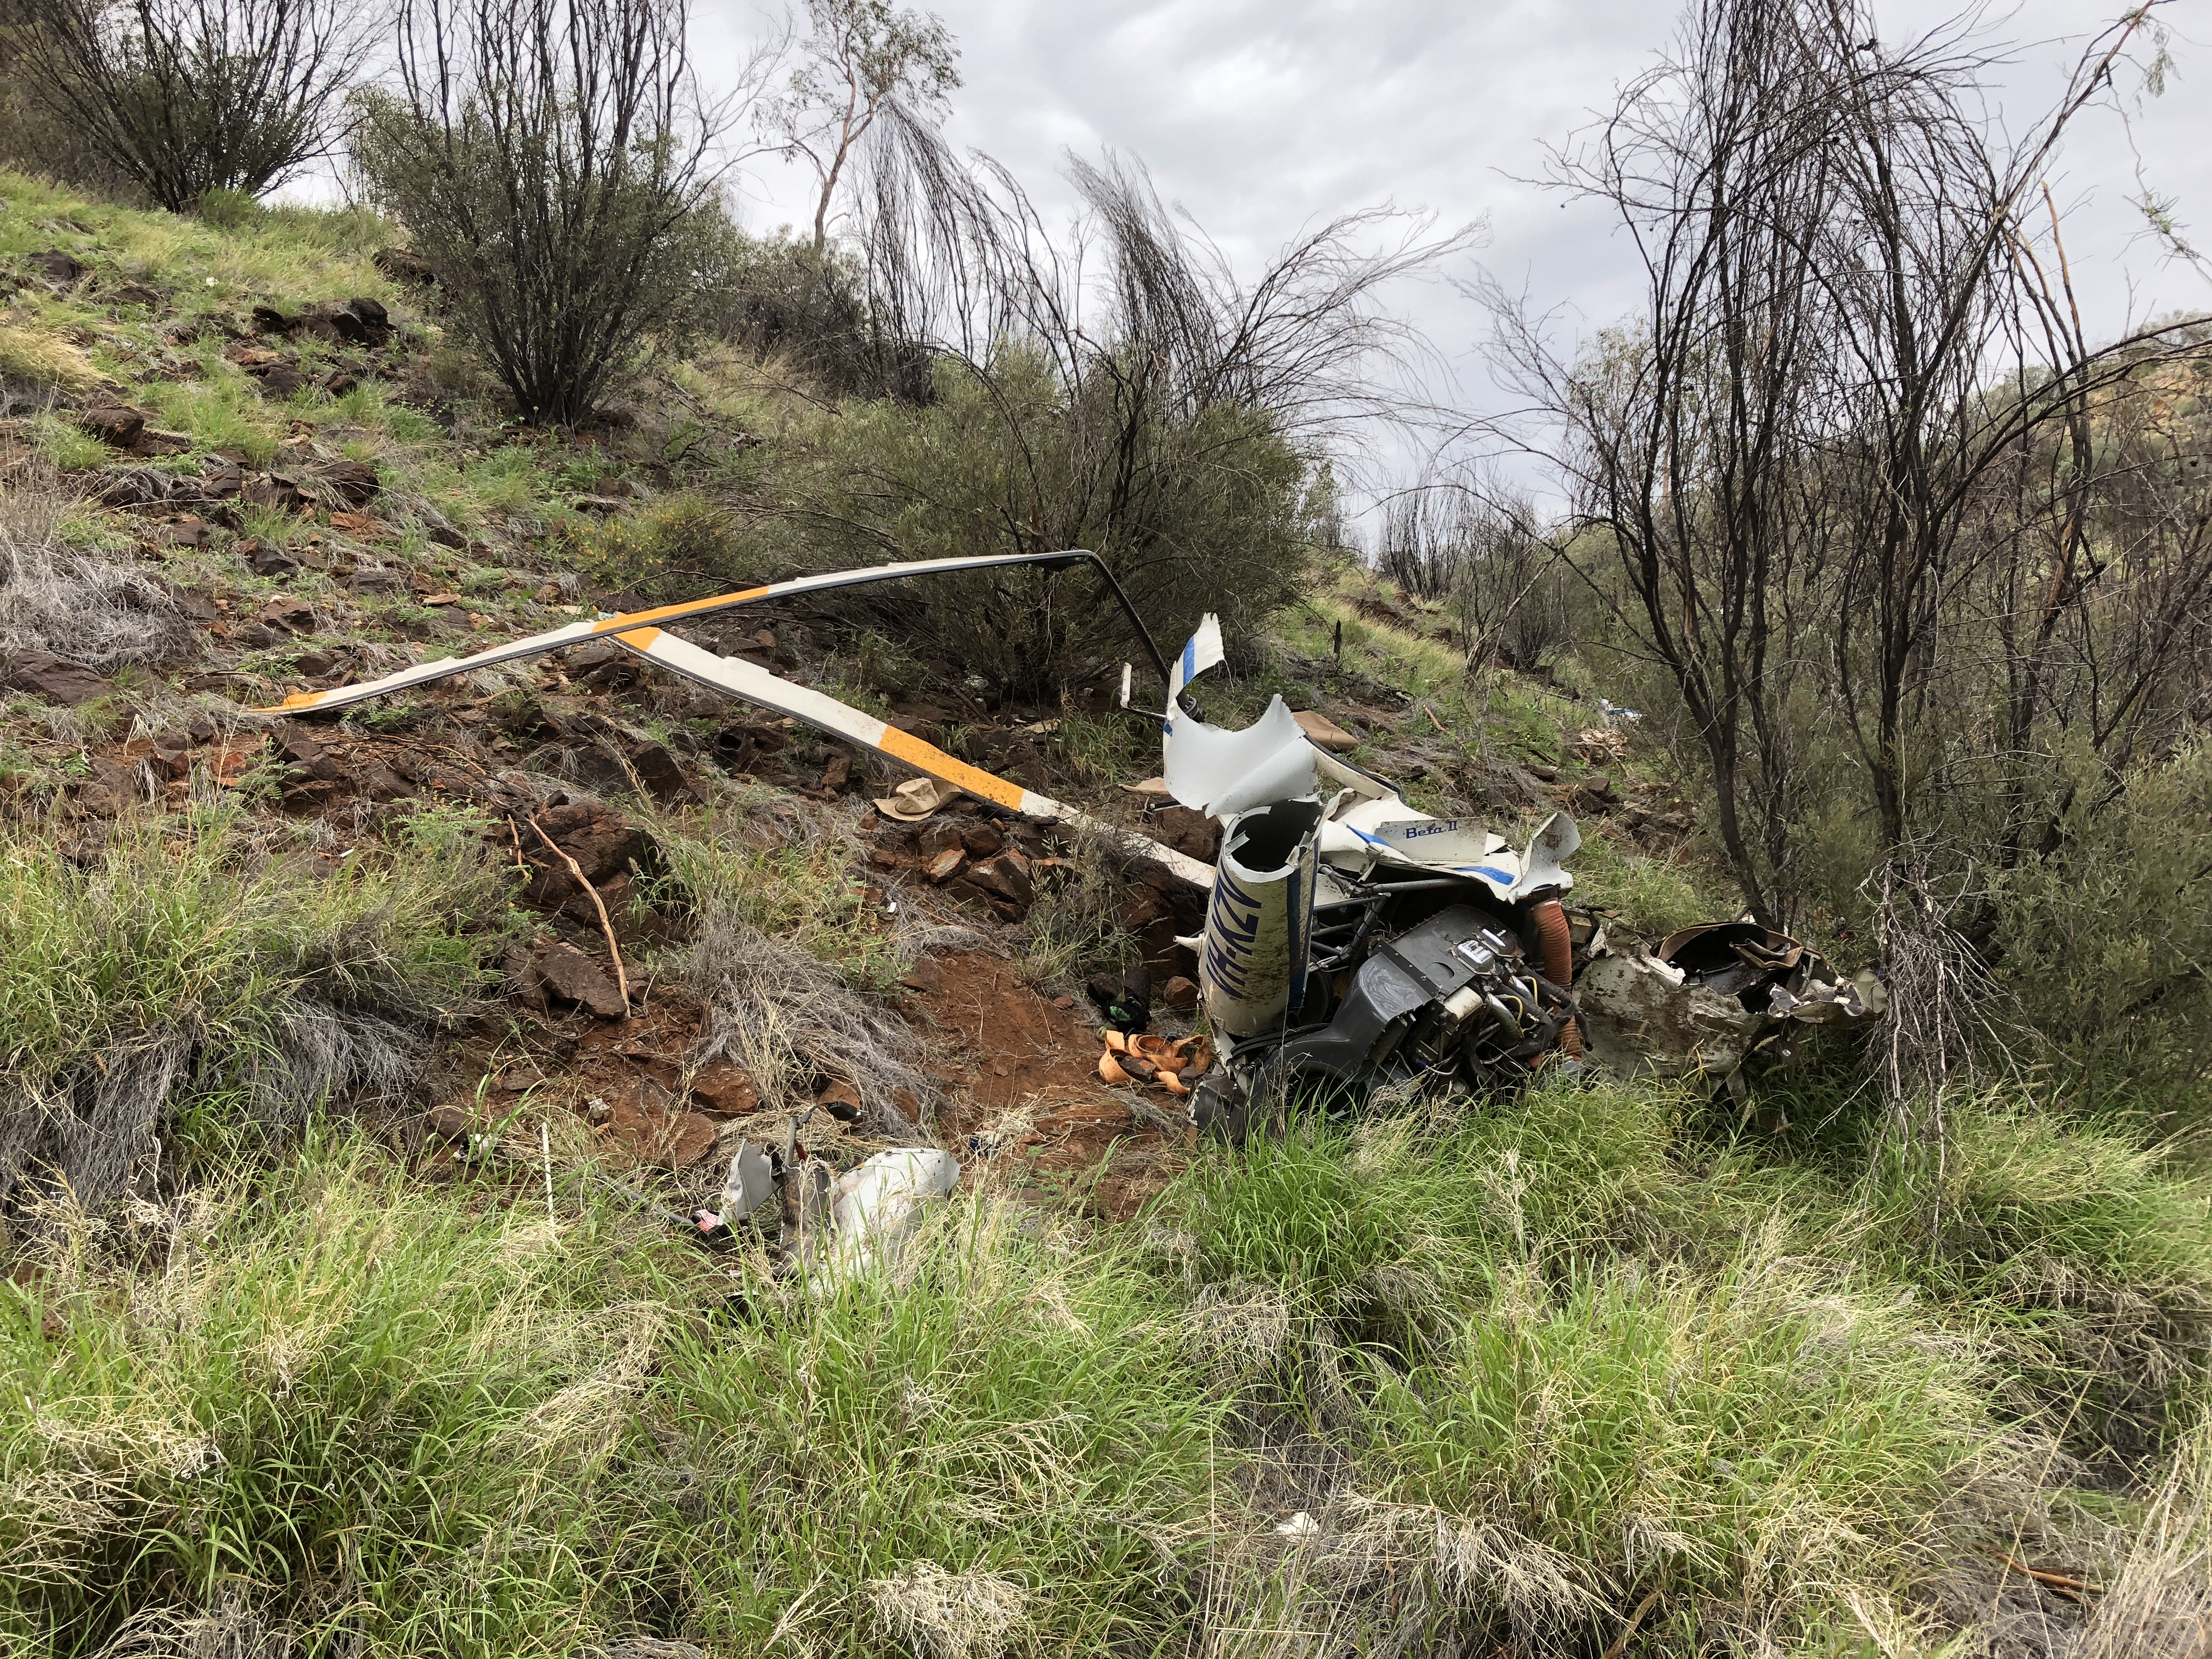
(681, 547)
(185, 97)
(784, 300)
(1206, 510)
(548, 162)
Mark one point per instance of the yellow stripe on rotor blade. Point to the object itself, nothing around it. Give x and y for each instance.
(755, 684)
(630, 619)
(927, 758)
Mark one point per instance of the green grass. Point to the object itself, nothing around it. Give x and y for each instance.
(354, 1410)
(1011, 1405)
(802, 881)
(1590, 1349)
(221, 413)
(193, 924)
(346, 1407)
(297, 254)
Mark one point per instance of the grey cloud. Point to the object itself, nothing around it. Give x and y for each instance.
(1262, 117)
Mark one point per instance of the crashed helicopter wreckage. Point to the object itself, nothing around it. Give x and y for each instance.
(1349, 938)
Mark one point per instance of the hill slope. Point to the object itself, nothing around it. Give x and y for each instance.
(343, 1306)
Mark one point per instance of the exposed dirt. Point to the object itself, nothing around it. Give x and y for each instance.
(1021, 1072)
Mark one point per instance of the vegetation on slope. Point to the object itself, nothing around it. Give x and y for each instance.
(1606, 1368)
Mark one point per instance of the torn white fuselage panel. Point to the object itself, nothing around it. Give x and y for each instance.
(1222, 772)
(1366, 822)
(1259, 919)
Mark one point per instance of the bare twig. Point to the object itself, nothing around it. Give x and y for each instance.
(606, 926)
(1627, 1630)
(2077, 1591)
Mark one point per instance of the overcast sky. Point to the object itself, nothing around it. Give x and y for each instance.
(1262, 117)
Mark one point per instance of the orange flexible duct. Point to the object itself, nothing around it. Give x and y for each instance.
(1558, 942)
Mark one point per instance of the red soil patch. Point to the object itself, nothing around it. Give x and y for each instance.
(1001, 1047)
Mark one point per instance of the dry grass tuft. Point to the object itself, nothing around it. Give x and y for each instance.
(76, 604)
(948, 1615)
(2160, 1605)
(776, 1009)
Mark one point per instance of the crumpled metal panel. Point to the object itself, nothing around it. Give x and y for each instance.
(1642, 1017)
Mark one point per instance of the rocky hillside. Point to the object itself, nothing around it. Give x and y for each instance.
(365, 1075)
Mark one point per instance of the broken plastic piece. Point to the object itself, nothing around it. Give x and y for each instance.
(877, 1207)
(752, 1183)
(915, 800)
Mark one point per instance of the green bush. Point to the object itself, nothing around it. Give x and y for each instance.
(545, 164)
(2102, 936)
(682, 548)
(1203, 511)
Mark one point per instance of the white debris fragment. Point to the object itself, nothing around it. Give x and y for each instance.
(876, 1208)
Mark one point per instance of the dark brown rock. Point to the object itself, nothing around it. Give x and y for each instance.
(982, 840)
(447, 1122)
(569, 974)
(402, 267)
(56, 266)
(273, 490)
(279, 379)
(354, 480)
(134, 293)
(360, 321)
(600, 841)
(1180, 994)
(42, 674)
(221, 478)
(266, 560)
(293, 616)
(1005, 876)
(115, 426)
(381, 783)
(303, 751)
(657, 770)
(111, 788)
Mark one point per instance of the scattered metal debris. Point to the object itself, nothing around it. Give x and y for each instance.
(1715, 1001)
(829, 1229)
(1353, 941)
(1349, 938)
